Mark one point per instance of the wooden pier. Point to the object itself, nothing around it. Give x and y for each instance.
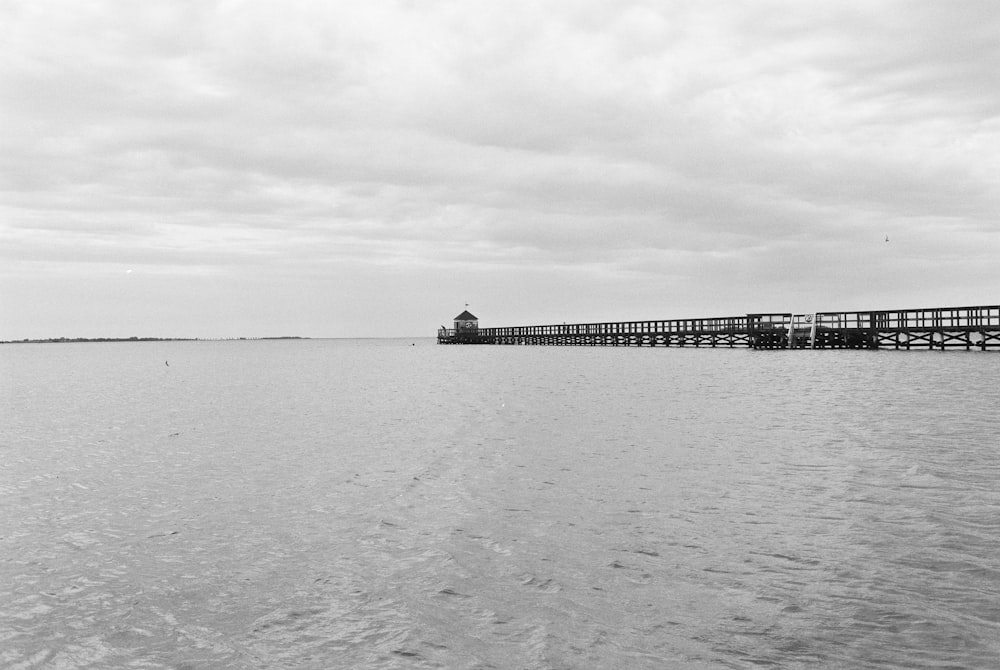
(935, 328)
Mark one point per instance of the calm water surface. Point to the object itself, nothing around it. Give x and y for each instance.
(372, 504)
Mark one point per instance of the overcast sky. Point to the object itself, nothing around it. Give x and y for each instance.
(206, 168)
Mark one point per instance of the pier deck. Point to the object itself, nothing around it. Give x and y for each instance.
(935, 328)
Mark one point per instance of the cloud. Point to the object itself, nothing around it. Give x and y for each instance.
(700, 145)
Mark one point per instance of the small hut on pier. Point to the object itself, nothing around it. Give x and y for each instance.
(466, 323)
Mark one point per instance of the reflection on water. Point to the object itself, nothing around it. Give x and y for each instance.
(317, 504)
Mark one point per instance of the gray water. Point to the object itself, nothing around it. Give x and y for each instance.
(372, 504)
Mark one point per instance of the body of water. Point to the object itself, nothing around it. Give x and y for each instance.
(397, 504)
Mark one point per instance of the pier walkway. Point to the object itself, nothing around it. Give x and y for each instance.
(935, 328)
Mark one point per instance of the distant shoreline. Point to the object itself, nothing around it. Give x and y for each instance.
(74, 340)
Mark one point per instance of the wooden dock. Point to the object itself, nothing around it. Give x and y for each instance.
(935, 328)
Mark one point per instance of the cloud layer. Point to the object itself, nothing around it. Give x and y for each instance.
(300, 168)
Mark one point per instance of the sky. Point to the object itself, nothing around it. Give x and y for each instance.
(222, 168)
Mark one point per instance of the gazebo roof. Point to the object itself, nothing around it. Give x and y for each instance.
(466, 316)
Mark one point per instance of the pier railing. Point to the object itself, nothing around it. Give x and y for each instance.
(966, 328)
(976, 327)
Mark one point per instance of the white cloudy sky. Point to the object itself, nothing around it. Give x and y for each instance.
(215, 168)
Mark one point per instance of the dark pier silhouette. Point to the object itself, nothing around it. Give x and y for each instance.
(934, 328)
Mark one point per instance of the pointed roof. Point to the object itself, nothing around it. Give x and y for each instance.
(466, 316)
